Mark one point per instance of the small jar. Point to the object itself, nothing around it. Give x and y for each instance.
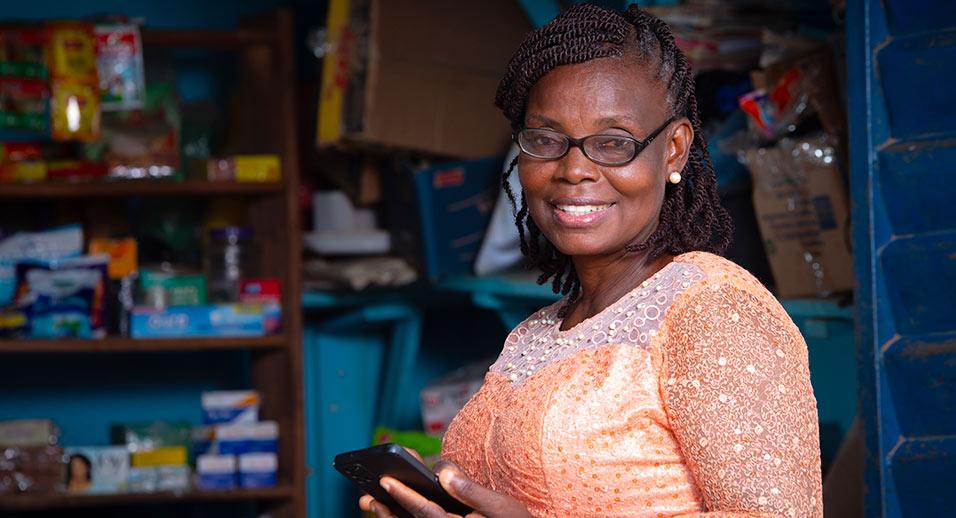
(231, 256)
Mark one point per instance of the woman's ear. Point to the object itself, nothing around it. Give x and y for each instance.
(678, 146)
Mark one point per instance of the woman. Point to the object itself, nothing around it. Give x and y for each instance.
(668, 382)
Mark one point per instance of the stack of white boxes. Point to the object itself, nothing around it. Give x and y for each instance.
(233, 448)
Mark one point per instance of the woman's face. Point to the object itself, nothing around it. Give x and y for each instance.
(583, 208)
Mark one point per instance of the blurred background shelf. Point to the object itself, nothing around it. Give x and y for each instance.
(51, 502)
(117, 344)
(137, 188)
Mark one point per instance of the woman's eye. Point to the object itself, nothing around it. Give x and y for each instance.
(614, 143)
(544, 140)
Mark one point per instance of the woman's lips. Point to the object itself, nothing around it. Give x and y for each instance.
(579, 214)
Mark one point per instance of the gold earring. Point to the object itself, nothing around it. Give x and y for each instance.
(675, 178)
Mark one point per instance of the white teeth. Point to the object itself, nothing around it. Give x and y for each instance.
(581, 209)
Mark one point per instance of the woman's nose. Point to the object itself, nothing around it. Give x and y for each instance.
(575, 167)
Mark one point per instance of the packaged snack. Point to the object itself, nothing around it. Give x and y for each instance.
(97, 470)
(63, 298)
(24, 106)
(75, 96)
(22, 52)
(119, 57)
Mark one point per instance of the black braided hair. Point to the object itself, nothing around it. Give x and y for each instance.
(691, 216)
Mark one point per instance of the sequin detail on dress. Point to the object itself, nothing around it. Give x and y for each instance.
(633, 320)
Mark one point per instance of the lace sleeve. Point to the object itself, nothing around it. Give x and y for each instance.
(736, 386)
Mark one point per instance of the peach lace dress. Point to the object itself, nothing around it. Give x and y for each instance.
(690, 396)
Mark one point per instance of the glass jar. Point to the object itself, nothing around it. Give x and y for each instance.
(231, 256)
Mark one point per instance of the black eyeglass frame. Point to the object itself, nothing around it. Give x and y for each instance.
(639, 145)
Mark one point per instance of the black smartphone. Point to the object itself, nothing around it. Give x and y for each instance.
(367, 466)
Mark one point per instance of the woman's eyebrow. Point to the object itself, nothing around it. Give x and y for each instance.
(542, 120)
(618, 121)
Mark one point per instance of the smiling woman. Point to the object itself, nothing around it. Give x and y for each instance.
(669, 381)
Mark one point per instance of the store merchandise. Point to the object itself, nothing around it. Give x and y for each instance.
(427, 446)
(56, 243)
(75, 95)
(167, 286)
(800, 202)
(231, 256)
(442, 399)
(28, 433)
(149, 436)
(216, 472)
(230, 407)
(64, 298)
(158, 454)
(236, 439)
(156, 457)
(257, 470)
(339, 228)
(97, 470)
(123, 272)
(119, 60)
(260, 291)
(31, 469)
(211, 320)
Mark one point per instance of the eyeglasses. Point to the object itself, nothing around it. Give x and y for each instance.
(607, 150)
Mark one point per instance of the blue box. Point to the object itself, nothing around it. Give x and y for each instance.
(238, 439)
(438, 215)
(210, 320)
(258, 470)
(216, 472)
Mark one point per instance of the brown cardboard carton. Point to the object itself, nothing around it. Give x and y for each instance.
(418, 74)
(801, 207)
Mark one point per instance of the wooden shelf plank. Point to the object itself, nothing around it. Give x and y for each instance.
(118, 344)
(30, 502)
(206, 38)
(136, 188)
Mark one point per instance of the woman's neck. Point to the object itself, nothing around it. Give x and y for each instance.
(605, 279)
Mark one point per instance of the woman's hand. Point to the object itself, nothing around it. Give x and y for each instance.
(485, 502)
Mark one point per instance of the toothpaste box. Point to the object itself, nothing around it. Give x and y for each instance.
(230, 407)
(216, 472)
(258, 470)
(209, 320)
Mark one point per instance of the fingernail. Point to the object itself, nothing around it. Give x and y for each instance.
(451, 479)
(386, 485)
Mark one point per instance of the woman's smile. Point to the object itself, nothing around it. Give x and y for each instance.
(580, 213)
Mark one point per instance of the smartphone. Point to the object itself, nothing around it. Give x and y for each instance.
(367, 466)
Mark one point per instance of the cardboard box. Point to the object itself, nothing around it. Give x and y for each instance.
(97, 470)
(418, 74)
(801, 205)
(438, 215)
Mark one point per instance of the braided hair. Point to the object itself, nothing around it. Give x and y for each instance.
(691, 216)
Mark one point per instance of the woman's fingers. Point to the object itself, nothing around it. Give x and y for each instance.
(484, 501)
(365, 502)
(368, 504)
(411, 501)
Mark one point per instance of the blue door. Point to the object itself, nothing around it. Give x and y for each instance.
(902, 105)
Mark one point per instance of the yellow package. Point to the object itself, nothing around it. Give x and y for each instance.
(167, 456)
(75, 107)
(72, 50)
(257, 168)
(23, 172)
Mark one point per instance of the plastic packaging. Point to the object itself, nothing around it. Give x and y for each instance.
(230, 257)
(119, 59)
(35, 469)
(64, 298)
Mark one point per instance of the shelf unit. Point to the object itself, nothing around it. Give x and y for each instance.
(265, 54)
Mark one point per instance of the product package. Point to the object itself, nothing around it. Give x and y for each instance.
(119, 59)
(257, 470)
(163, 456)
(236, 439)
(28, 433)
(97, 470)
(165, 287)
(211, 320)
(230, 407)
(443, 398)
(150, 436)
(122, 271)
(216, 472)
(75, 95)
(57, 243)
(64, 298)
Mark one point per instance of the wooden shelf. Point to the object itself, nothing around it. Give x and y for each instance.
(118, 344)
(108, 189)
(206, 38)
(44, 502)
